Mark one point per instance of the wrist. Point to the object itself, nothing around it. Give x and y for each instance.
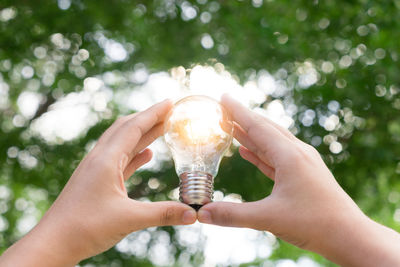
(341, 242)
(55, 242)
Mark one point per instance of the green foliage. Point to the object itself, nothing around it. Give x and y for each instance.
(352, 45)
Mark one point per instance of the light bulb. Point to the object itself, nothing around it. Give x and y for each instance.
(198, 132)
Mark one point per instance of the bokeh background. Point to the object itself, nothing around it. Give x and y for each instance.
(327, 70)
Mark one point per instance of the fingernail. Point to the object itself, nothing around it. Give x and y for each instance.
(189, 216)
(204, 216)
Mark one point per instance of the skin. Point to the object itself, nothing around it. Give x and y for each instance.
(93, 212)
(307, 207)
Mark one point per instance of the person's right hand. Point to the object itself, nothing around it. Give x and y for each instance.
(307, 207)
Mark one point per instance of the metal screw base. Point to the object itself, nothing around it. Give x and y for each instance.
(196, 189)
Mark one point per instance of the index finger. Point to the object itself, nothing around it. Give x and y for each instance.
(269, 141)
(126, 138)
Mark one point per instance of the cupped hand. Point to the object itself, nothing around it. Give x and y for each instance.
(307, 207)
(93, 212)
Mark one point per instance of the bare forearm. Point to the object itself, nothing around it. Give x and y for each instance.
(38, 248)
(384, 245)
(363, 242)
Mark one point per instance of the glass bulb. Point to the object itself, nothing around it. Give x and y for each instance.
(198, 132)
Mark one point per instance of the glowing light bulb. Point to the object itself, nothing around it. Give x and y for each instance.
(198, 132)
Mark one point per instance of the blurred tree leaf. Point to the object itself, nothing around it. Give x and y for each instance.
(353, 46)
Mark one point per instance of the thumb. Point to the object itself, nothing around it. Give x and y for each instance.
(250, 214)
(163, 213)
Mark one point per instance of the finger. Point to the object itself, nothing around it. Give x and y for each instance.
(250, 214)
(138, 161)
(242, 115)
(243, 138)
(114, 127)
(148, 138)
(270, 142)
(245, 141)
(282, 130)
(149, 214)
(126, 138)
(251, 157)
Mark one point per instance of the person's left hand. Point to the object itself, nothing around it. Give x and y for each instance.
(94, 212)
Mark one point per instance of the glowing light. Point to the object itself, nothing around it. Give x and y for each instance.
(205, 17)
(83, 54)
(26, 223)
(28, 103)
(5, 192)
(283, 38)
(362, 30)
(396, 215)
(331, 122)
(3, 224)
(69, 117)
(323, 23)
(92, 84)
(257, 3)
(345, 61)
(40, 52)
(335, 147)
(8, 14)
(64, 4)
(327, 67)
(198, 132)
(380, 53)
(4, 100)
(207, 41)
(204, 123)
(188, 11)
(308, 75)
(115, 51)
(27, 72)
(60, 41)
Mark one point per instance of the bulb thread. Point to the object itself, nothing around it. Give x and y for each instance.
(196, 188)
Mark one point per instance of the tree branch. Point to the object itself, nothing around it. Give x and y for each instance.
(43, 108)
